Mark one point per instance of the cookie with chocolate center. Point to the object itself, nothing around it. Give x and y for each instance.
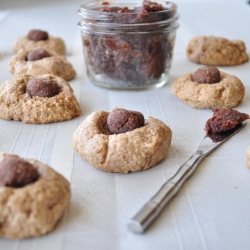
(130, 151)
(40, 39)
(44, 99)
(209, 88)
(33, 197)
(40, 61)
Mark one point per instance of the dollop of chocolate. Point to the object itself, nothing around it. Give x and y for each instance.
(37, 35)
(122, 120)
(37, 54)
(43, 87)
(207, 74)
(16, 172)
(224, 119)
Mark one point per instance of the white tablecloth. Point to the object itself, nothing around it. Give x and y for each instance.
(211, 211)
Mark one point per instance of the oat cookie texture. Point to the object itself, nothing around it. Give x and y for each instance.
(33, 210)
(217, 51)
(55, 44)
(55, 64)
(16, 104)
(132, 151)
(227, 93)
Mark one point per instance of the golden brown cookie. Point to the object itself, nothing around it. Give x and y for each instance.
(33, 209)
(217, 51)
(16, 104)
(53, 64)
(227, 93)
(48, 43)
(132, 151)
(248, 157)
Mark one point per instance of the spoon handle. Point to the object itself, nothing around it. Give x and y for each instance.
(155, 205)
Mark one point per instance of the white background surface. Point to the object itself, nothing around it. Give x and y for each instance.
(212, 209)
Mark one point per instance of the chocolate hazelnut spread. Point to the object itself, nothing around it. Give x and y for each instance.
(17, 172)
(207, 74)
(43, 87)
(131, 47)
(37, 54)
(38, 35)
(121, 120)
(224, 119)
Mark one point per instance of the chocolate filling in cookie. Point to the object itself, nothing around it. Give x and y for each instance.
(16, 172)
(207, 74)
(37, 35)
(43, 87)
(224, 119)
(37, 54)
(122, 120)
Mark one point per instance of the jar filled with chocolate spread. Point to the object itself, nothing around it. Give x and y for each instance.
(128, 46)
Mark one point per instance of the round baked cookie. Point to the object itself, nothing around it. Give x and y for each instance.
(52, 43)
(132, 151)
(54, 64)
(16, 104)
(33, 209)
(227, 93)
(217, 51)
(248, 157)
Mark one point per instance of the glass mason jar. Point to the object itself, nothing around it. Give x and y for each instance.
(128, 46)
